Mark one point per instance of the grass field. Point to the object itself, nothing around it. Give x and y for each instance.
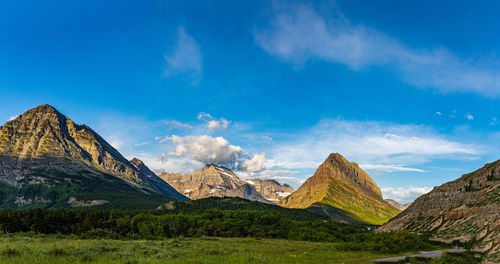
(50, 249)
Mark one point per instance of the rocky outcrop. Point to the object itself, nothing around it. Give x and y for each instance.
(343, 185)
(464, 209)
(212, 181)
(401, 207)
(44, 148)
(271, 189)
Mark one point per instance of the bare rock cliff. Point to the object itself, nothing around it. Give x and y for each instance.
(464, 209)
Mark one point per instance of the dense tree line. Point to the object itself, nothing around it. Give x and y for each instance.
(214, 222)
(234, 203)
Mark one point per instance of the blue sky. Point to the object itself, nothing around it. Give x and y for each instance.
(407, 89)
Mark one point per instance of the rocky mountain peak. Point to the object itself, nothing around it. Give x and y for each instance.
(343, 185)
(44, 108)
(44, 147)
(44, 133)
(341, 169)
(336, 157)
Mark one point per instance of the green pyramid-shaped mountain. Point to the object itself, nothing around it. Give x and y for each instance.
(344, 186)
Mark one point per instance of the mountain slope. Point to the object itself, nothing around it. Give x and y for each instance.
(343, 185)
(156, 182)
(212, 181)
(467, 208)
(271, 189)
(46, 160)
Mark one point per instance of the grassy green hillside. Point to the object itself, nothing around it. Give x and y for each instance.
(363, 207)
(79, 189)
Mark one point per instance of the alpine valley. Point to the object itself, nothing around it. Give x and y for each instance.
(48, 161)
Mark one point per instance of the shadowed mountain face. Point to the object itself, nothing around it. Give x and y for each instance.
(47, 160)
(343, 185)
(212, 181)
(464, 209)
(156, 182)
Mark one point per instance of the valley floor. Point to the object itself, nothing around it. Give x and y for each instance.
(51, 249)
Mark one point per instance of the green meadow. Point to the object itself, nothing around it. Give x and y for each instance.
(53, 249)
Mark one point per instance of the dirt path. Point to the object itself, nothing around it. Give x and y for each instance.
(423, 254)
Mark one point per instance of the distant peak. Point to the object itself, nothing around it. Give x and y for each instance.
(136, 161)
(215, 166)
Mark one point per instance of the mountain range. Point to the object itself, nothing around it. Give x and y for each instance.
(218, 181)
(49, 161)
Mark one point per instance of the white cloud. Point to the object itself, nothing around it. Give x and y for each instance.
(142, 144)
(282, 176)
(206, 149)
(176, 124)
(256, 163)
(204, 116)
(213, 124)
(404, 195)
(162, 158)
(378, 145)
(186, 57)
(224, 123)
(469, 116)
(161, 163)
(297, 34)
(218, 125)
(388, 168)
(12, 118)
